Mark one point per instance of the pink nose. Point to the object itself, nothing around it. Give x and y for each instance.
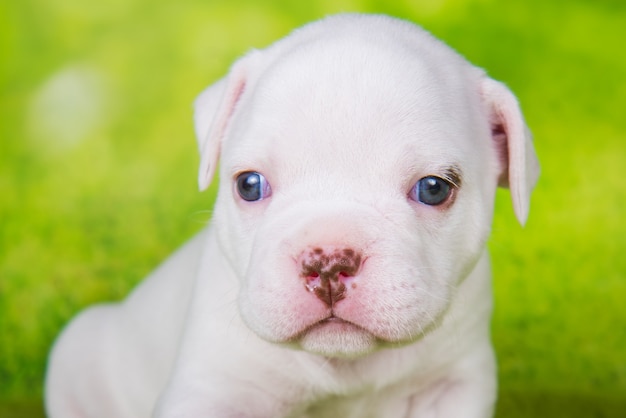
(326, 272)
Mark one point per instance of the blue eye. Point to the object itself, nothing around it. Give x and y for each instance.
(431, 191)
(252, 186)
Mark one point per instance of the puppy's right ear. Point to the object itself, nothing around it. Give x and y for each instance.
(213, 110)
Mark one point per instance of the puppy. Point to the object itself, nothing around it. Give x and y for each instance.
(345, 272)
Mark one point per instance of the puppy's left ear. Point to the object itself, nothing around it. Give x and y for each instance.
(213, 110)
(519, 168)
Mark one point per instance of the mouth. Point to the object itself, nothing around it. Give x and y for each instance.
(334, 322)
(332, 319)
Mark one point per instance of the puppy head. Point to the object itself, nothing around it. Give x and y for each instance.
(359, 161)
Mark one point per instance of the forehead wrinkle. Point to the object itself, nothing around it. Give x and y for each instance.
(371, 158)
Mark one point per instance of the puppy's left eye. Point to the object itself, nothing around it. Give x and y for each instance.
(431, 191)
(253, 186)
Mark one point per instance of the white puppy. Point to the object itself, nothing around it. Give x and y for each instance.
(345, 273)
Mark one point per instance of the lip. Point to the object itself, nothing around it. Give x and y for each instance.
(333, 320)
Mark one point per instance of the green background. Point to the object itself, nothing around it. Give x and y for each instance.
(98, 167)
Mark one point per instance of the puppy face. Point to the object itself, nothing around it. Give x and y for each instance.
(357, 182)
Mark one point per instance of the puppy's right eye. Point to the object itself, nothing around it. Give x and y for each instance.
(253, 186)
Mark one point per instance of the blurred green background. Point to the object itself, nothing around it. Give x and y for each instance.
(98, 168)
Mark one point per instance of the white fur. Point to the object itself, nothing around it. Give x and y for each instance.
(342, 118)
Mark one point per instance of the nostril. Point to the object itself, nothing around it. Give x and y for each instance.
(344, 275)
(312, 277)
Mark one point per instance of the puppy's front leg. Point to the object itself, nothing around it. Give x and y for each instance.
(455, 400)
(234, 384)
(472, 394)
(230, 374)
(227, 399)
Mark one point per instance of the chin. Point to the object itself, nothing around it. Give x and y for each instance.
(337, 338)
